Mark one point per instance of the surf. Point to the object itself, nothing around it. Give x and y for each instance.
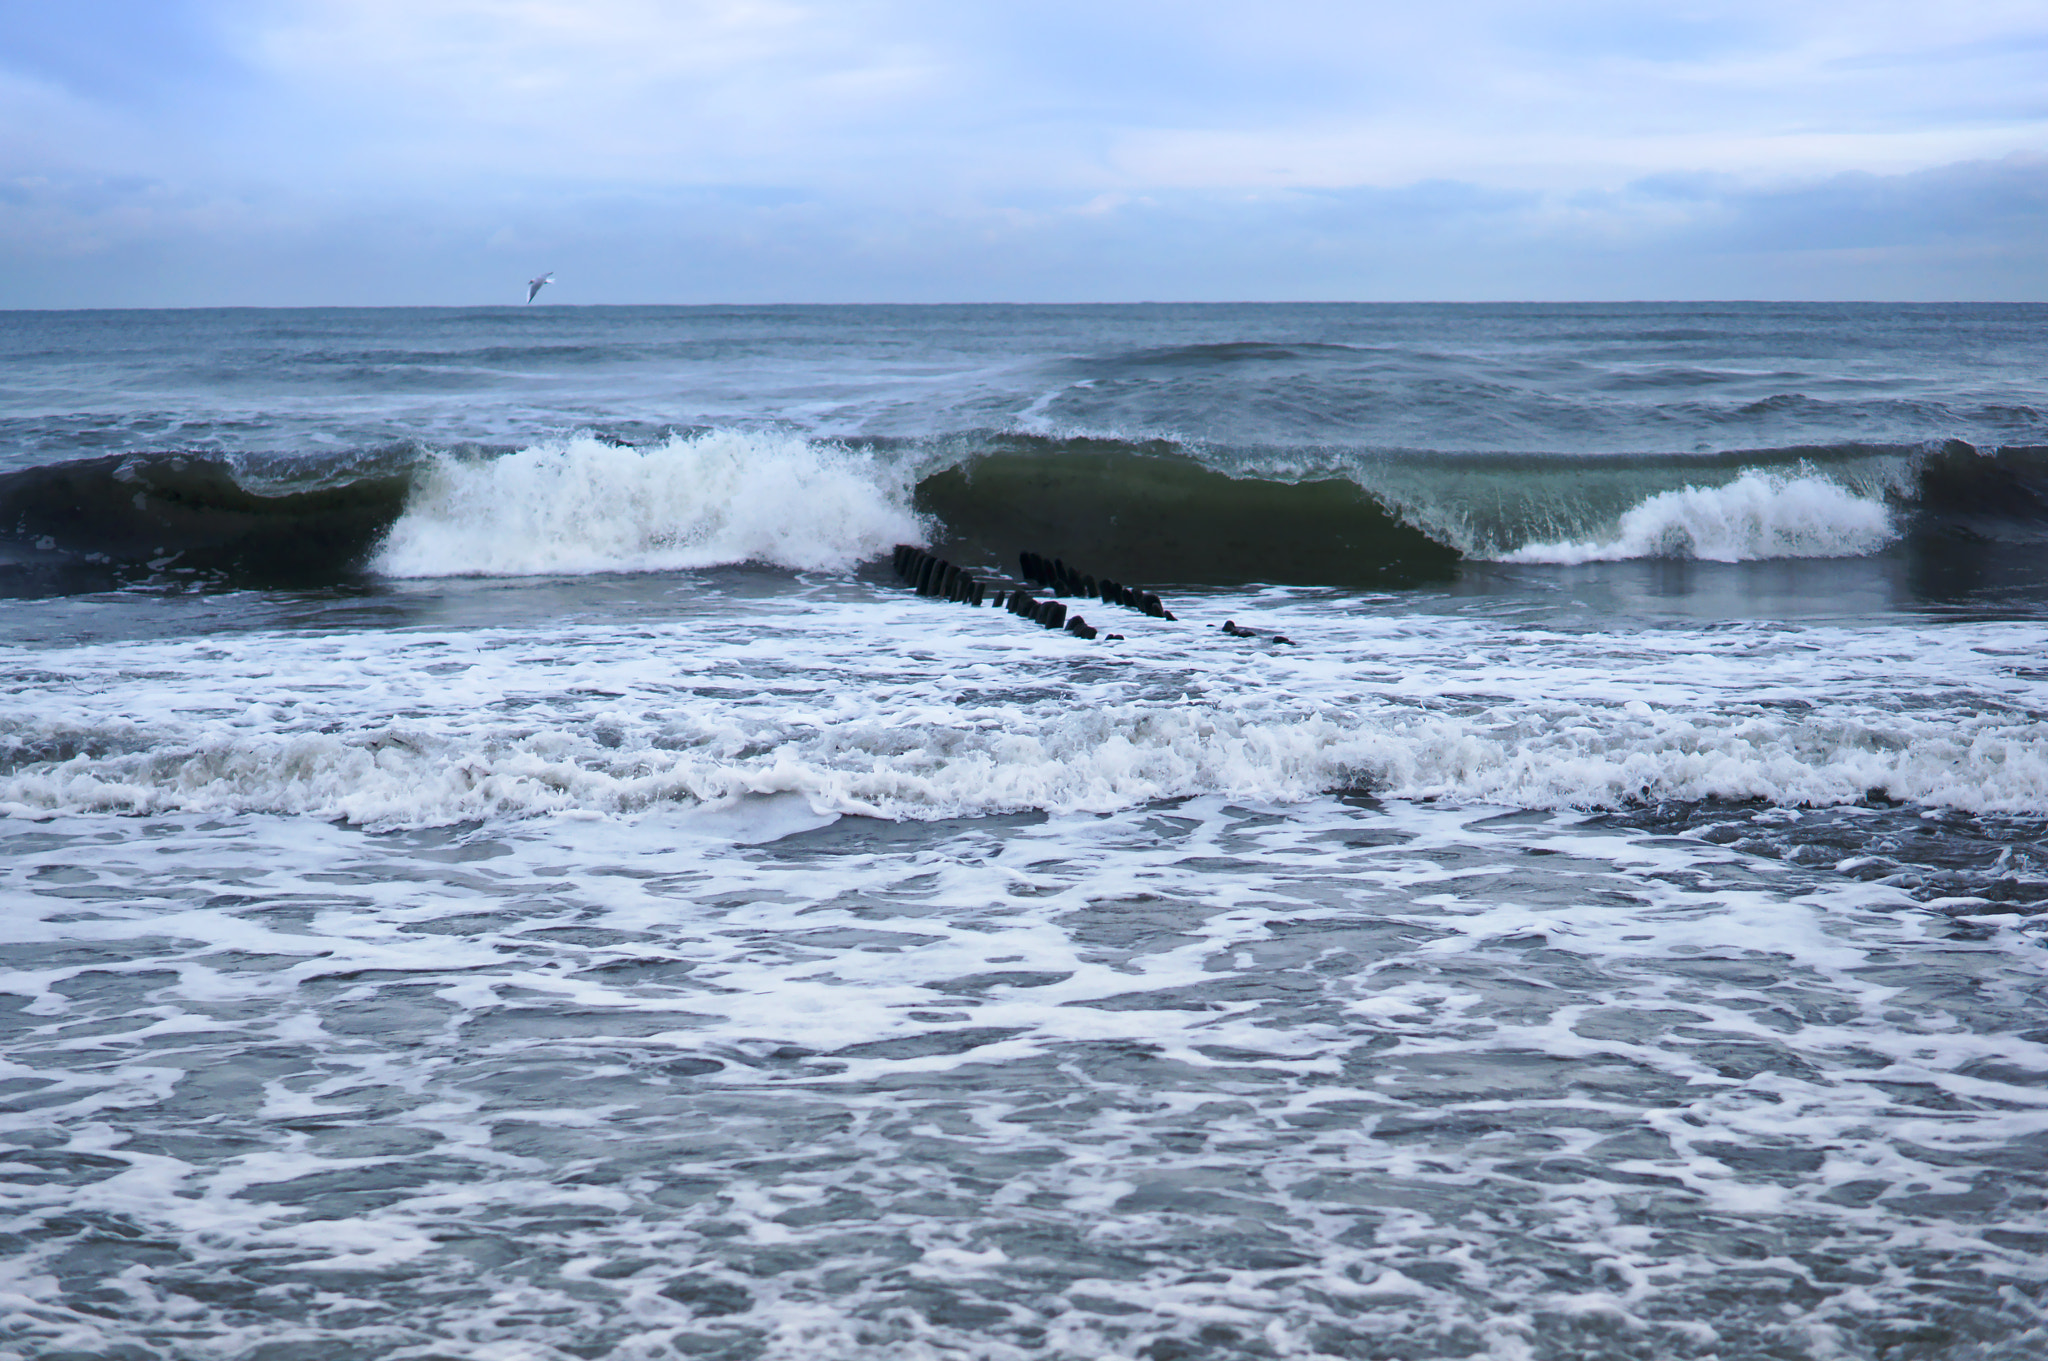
(582, 505)
(1155, 511)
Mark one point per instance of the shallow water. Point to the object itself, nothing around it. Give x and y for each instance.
(1200, 1078)
(637, 1033)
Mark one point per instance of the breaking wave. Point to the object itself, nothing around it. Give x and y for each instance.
(1757, 516)
(584, 505)
(427, 728)
(1147, 511)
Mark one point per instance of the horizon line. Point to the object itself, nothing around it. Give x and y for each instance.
(1133, 302)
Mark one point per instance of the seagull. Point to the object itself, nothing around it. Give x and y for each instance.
(534, 286)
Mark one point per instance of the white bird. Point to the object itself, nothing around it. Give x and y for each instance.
(534, 286)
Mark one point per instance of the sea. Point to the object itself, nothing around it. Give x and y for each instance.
(498, 864)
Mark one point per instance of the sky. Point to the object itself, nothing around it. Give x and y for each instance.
(440, 152)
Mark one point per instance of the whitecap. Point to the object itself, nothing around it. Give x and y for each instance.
(1757, 516)
(581, 505)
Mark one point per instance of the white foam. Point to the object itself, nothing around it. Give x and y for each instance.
(579, 505)
(518, 996)
(904, 708)
(1755, 517)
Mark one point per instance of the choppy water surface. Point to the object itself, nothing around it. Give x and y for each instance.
(1198, 1079)
(493, 865)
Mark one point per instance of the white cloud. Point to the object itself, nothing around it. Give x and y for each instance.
(1137, 95)
(629, 90)
(880, 148)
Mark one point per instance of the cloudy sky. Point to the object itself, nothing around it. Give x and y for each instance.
(199, 152)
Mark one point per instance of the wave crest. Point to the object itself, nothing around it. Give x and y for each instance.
(1757, 516)
(582, 505)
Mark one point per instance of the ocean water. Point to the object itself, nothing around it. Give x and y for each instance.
(497, 864)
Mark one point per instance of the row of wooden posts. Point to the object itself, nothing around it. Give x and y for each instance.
(929, 574)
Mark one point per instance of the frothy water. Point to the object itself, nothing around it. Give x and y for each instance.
(585, 505)
(1757, 516)
(492, 868)
(898, 707)
(1204, 1079)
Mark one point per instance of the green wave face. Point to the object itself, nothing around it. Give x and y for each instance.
(105, 515)
(1147, 518)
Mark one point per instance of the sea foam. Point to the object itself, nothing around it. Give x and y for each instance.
(1755, 517)
(906, 709)
(580, 505)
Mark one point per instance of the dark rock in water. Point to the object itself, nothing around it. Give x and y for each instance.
(1080, 627)
(1112, 637)
(1283, 638)
(1230, 627)
(1054, 576)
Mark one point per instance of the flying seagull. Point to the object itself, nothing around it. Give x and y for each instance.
(534, 286)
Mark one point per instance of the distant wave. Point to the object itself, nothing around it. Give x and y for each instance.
(582, 505)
